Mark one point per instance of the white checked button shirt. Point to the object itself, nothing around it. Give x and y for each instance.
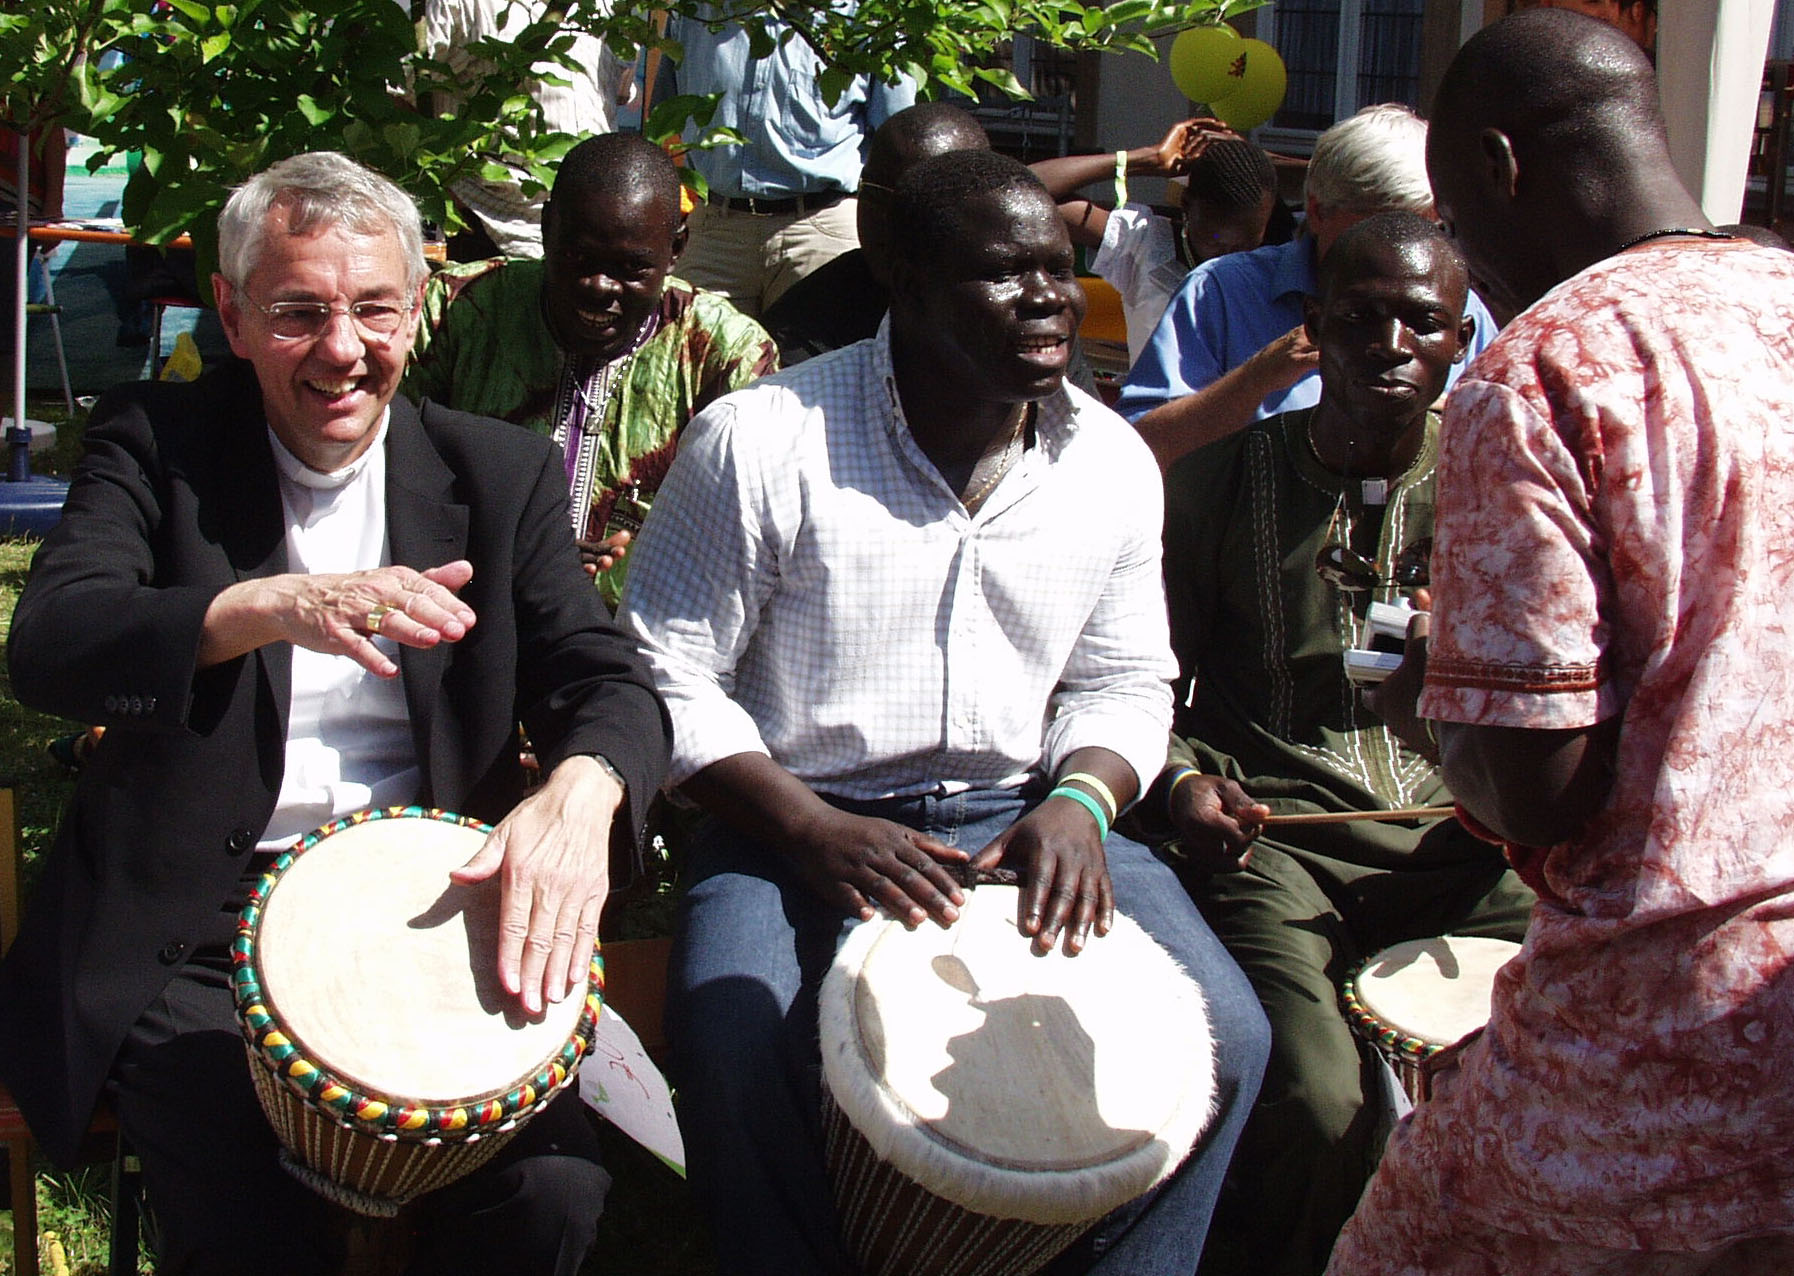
(809, 587)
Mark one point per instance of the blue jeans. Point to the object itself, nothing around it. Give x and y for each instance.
(752, 946)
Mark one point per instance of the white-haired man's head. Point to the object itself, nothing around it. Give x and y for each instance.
(318, 189)
(321, 272)
(1373, 162)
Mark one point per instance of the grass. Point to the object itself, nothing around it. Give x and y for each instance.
(649, 1227)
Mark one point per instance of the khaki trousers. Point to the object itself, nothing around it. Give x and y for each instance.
(753, 258)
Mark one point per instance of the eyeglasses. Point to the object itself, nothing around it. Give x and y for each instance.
(378, 322)
(1352, 573)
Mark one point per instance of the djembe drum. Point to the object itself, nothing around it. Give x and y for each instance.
(1415, 999)
(387, 1056)
(984, 1105)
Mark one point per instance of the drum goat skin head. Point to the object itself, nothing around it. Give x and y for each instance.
(1045, 1088)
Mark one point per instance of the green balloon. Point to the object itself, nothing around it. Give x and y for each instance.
(1199, 60)
(1257, 80)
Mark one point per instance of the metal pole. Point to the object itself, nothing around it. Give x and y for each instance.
(22, 256)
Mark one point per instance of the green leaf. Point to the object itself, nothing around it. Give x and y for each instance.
(832, 83)
(213, 46)
(1129, 11)
(1003, 79)
(402, 137)
(315, 114)
(141, 189)
(669, 119)
(551, 148)
(357, 137)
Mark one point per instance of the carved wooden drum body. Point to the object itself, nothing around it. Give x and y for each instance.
(387, 1056)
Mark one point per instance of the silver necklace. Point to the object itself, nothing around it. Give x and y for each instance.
(1372, 491)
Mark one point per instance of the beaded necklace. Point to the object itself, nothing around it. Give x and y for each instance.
(1671, 230)
(579, 406)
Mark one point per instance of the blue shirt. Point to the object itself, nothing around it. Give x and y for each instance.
(1228, 310)
(796, 144)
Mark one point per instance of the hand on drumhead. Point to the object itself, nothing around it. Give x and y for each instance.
(1065, 875)
(1216, 822)
(553, 856)
(340, 613)
(856, 861)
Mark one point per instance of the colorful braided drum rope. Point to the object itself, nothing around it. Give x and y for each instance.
(387, 1056)
(1413, 1000)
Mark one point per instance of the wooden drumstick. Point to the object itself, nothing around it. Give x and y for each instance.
(1353, 817)
(969, 877)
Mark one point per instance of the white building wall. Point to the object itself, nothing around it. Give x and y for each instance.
(1137, 104)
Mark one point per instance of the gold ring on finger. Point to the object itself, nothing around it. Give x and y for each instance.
(377, 614)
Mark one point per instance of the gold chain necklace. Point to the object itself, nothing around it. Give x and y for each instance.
(1004, 462)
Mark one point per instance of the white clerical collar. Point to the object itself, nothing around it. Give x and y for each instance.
(297, 471)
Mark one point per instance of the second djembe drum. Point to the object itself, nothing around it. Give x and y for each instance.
(986, 1105)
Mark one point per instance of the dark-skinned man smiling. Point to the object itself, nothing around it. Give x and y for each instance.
(596, 344)
(886, 656)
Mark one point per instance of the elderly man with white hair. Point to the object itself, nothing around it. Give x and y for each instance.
(1230, 348)
(290, 595)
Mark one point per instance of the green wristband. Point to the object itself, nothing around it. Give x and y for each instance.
(1089, 803)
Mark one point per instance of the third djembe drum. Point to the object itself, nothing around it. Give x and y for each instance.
(1413, 1000)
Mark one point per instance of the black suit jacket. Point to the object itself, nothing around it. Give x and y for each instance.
(176, 499)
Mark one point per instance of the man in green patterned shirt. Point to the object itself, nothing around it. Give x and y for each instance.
(1269, 722)
(596, 344)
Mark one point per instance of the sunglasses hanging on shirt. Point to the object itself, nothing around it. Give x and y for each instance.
(1350, 572)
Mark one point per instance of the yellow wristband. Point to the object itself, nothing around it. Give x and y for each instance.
(1120, 179)
(1097, 787)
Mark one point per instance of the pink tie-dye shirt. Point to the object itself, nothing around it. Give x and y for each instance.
(1615, 535)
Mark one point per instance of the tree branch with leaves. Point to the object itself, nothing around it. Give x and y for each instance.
(211, 93)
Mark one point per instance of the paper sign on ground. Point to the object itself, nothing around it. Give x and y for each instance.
(624, 1086)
